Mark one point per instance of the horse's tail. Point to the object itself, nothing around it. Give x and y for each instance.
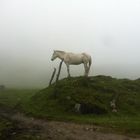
(88, 57)
(90, 62)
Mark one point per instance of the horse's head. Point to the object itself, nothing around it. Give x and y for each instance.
(54, 56)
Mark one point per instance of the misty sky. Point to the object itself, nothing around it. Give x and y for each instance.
(30, 30)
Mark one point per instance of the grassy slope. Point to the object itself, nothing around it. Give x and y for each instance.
(94, 93)
(54, 103)
(9, 99)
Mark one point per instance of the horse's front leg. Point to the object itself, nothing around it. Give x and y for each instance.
(68, 69)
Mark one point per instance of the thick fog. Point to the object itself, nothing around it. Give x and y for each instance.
(109, 30)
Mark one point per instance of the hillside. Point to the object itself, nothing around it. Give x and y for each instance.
(93, 94)
(57, 102)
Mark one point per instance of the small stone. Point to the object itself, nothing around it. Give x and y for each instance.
(14, 133)
(114, 110)
(112, 104)
(87, 129)
(77, 107)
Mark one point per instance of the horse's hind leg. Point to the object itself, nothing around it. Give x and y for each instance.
(68, 69)
(86, 69)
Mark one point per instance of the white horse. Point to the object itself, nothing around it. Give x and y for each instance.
(73, 59)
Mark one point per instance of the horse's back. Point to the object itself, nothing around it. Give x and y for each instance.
(87, 56)
(78, 55)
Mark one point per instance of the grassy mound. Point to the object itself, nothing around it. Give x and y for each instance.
(93, 94)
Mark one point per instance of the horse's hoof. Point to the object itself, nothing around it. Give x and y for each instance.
(86, 76)
(69, 77)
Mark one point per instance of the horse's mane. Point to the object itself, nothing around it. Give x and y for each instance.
(59, 51)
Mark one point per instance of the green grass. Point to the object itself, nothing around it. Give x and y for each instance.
(94, 93)
(5, 126)
(11, 130)
(122, 124)
(11, 97)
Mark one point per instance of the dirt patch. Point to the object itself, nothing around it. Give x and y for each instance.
(39, 129)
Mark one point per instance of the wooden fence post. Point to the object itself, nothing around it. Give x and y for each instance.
(58, 74)
(53, 74)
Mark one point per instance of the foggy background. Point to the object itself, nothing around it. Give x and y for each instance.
(109, 30)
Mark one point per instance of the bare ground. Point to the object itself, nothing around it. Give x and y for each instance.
(53, 130)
